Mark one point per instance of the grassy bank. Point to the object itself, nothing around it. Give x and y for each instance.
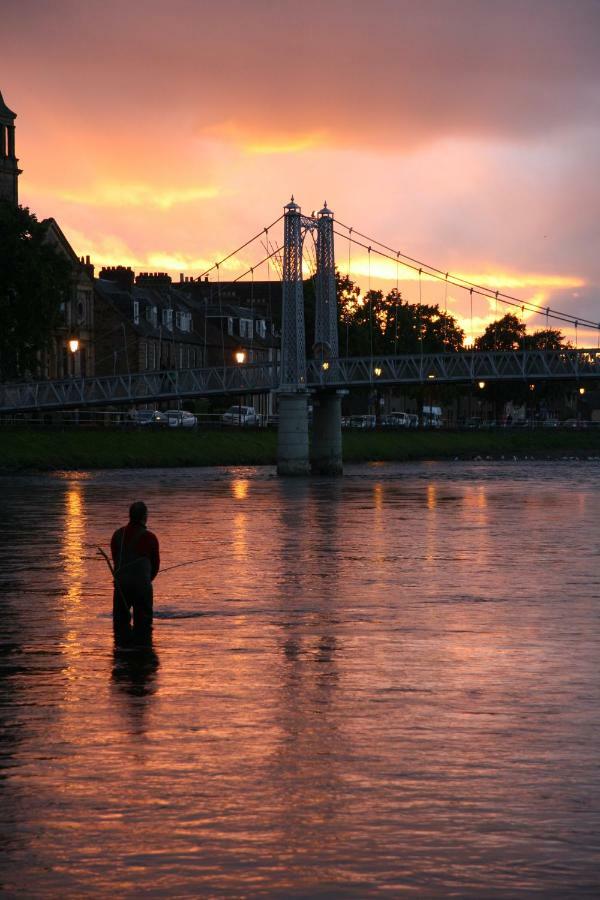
(23, 449)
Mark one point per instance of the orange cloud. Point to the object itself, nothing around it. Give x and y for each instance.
(114, 194)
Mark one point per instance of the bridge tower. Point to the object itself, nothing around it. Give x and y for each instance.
(9, 168)
(326, 318)
(292, 441)
(326, 449)
(293, 457)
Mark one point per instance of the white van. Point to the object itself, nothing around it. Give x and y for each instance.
(432, 417)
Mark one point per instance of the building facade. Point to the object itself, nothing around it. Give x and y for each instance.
(9, 164)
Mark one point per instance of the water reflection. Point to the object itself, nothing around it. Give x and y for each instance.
(73, 542)
(357, 692)
(134, 677)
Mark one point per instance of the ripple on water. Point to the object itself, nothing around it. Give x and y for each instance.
(385, 683)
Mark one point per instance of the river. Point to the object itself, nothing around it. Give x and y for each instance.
(384, 684)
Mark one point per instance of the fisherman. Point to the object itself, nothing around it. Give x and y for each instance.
(136, 561)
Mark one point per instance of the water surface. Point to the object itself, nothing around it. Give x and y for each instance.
(380, 685)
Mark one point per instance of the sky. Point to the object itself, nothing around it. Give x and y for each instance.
(465, 133)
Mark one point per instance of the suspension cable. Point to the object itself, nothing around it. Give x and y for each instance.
(242, 247)
(478, 289)
(256, 265)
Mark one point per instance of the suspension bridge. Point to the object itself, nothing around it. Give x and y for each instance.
(323, 375)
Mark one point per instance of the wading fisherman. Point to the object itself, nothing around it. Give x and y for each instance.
(136, 560)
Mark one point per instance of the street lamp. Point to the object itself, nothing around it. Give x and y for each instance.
(73, 345)
(481, 385)
(377, 371)
(582, 391)
(240, 357)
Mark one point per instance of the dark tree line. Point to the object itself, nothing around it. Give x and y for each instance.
(34, 281)
(381, 324)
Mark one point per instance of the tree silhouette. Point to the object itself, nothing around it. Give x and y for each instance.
(34, 281)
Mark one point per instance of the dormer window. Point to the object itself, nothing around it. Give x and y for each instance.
(136, 312)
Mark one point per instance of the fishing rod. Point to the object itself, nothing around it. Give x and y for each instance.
(189, 562)
(112, 572)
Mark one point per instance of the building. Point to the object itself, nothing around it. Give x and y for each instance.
(241, 316)
(72, 352)
(143, 325)
(9, 164)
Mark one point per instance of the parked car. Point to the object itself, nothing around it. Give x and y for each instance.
(241, 415)
(180, 418)
(396, 420)
(148, 418)
(363, 421)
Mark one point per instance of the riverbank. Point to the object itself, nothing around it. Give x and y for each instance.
(29, 449)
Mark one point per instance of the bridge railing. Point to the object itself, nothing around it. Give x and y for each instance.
(529, 365)
(146, 387)
(138, 387)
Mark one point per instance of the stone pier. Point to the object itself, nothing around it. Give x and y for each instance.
(326, 449)
(292, 435)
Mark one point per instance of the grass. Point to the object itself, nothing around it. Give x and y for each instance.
(31, 449)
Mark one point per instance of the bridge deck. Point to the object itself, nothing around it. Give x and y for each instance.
(442, 368)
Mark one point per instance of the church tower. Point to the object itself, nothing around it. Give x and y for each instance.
(9, 169)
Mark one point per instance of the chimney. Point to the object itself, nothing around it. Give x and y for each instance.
(122, 275)
(153, 279)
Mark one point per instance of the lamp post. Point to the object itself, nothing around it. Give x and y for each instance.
(581, 392)
(240, 358)
(73, 344)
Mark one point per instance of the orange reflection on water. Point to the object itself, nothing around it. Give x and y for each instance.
(240, 488)
(431, 496)
(72, 550)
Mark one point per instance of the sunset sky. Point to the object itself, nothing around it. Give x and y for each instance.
(464, 132)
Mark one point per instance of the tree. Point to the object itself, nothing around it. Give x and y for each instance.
(34, 281)
(384, 325)
(547, 339)
(507, 333)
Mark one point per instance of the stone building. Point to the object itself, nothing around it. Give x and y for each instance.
(143, 325)
(72, 350)
(9, 164)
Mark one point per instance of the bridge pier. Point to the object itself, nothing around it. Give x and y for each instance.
(326, 449)
(292, 434)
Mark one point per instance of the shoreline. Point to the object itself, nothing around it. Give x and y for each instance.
(30, 450)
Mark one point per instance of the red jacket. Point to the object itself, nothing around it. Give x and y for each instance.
(147, 545)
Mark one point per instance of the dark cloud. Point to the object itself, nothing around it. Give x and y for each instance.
(381, 72)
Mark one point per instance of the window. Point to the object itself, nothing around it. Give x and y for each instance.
(261, 328)
(136, 312)
(246, 328)
(178, 317)
(181, 356)
(152, 355)
(229, 325)
(167, 318)
(144, 355)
